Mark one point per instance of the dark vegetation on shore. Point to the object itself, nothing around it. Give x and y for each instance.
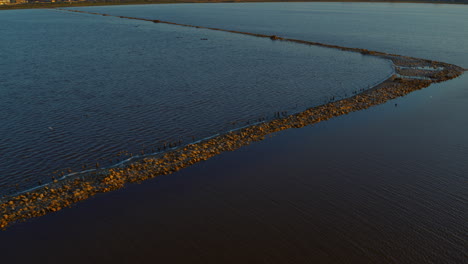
(48, 4)
(61, 194)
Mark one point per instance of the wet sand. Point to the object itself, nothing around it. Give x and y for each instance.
(176, 156)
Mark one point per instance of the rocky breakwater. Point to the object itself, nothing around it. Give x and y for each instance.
(61, 194)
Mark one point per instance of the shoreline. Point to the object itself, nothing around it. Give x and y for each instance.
(84, 4)
(61, 194)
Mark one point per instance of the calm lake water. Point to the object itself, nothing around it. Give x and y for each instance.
(77, 89)
(383, 185)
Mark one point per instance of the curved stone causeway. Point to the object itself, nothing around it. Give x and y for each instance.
(413, 74)
(102, 88)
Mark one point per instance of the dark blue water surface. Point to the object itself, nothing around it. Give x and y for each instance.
(77, 89)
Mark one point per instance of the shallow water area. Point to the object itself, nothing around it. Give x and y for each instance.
(99, 86)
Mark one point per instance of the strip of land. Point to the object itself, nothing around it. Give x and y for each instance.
(414, 74)
(45, 4)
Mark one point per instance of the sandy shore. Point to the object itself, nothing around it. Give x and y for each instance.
(414, 74)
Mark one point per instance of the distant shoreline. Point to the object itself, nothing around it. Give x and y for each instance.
(142, 2)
